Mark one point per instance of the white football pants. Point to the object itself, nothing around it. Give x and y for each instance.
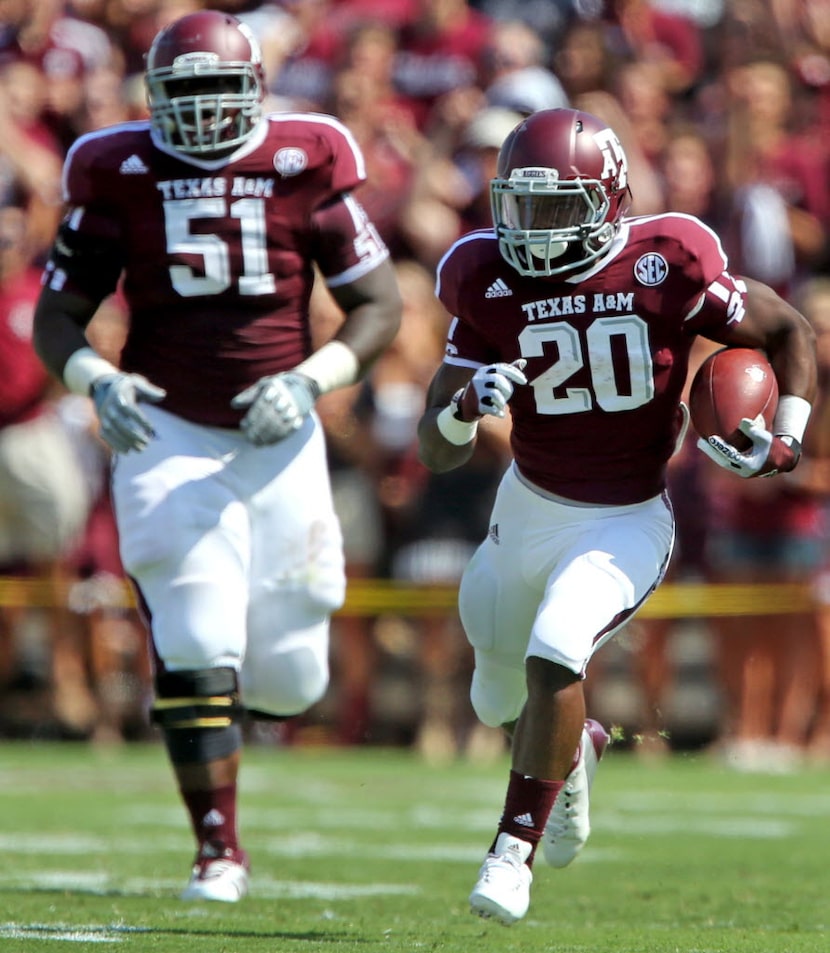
(237, 554)
(556, 581)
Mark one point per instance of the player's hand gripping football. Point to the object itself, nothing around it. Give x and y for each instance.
(277, 406)
(489, 390)
(767, 456)
(122, 424)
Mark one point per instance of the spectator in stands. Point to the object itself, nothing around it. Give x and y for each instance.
(546, 19)
(689, 176)
(441, 53)
(810, 55)
(312, 50)
(44, 499)
(815, 299)
(30, 155)
(589, 72)
(644, 31)
(516, 75)
(353, 463)
(777, 175)
(450, 191)
(382, 122)
(774, 172)
(648, 106)
(766, 532)
(434, 524)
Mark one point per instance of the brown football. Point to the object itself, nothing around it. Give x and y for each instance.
(731, 384)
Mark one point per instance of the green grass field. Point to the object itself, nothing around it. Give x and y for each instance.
(371, 851)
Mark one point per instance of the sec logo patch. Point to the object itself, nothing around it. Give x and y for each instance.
(290, 161)
(651, 269)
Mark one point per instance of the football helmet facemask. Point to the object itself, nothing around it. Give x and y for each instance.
(205, 84)
(560, 191)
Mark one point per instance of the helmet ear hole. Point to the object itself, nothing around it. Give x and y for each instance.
(205, 84)
(560, 192)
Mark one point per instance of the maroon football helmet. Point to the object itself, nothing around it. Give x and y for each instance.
(205, 84)
(560, 191)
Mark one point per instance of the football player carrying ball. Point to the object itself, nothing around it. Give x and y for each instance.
(579, 320)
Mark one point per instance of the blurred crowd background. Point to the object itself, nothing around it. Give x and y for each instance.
(723, 107)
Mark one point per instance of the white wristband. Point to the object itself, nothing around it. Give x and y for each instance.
(458, 432)
(334, 365)
(83, 368)
(791, 416)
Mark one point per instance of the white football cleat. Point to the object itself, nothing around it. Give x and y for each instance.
(503, 888)
(221, 876)
(569, 823)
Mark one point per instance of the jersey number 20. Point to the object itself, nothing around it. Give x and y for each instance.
(623, 335)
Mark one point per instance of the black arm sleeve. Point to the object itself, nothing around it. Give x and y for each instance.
(84, 265)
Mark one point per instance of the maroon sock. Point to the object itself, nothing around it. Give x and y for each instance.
(526, 809)
(213, 816)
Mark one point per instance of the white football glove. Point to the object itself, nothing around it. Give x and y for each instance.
(489, 390)
(278, 406)
(768, 455)
(116, 397)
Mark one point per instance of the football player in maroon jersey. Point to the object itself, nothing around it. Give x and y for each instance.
(215, 217)
(582, 320)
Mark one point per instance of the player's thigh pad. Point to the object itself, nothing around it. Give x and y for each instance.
(498, 689)
(497, 610)
(297, 580)
(289, 672)
(497, 605)
(612, 563)
(296, 540)
(185, 538)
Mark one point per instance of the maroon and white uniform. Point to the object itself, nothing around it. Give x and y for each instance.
(235, 549)
(607, 351)
(579, 321)
(581, 531)
(217, 255)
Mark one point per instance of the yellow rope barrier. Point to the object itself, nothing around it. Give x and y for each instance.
(670, 601)
(370, 597)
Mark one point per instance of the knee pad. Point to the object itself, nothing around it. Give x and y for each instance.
(199, 713)
(202, 698)
(497, 693)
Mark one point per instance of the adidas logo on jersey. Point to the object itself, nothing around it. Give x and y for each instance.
(498, 290)
(133, 166)
(524, 819)
(493, 534)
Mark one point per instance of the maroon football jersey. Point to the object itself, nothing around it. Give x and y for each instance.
(217, 256)
(607, 352)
